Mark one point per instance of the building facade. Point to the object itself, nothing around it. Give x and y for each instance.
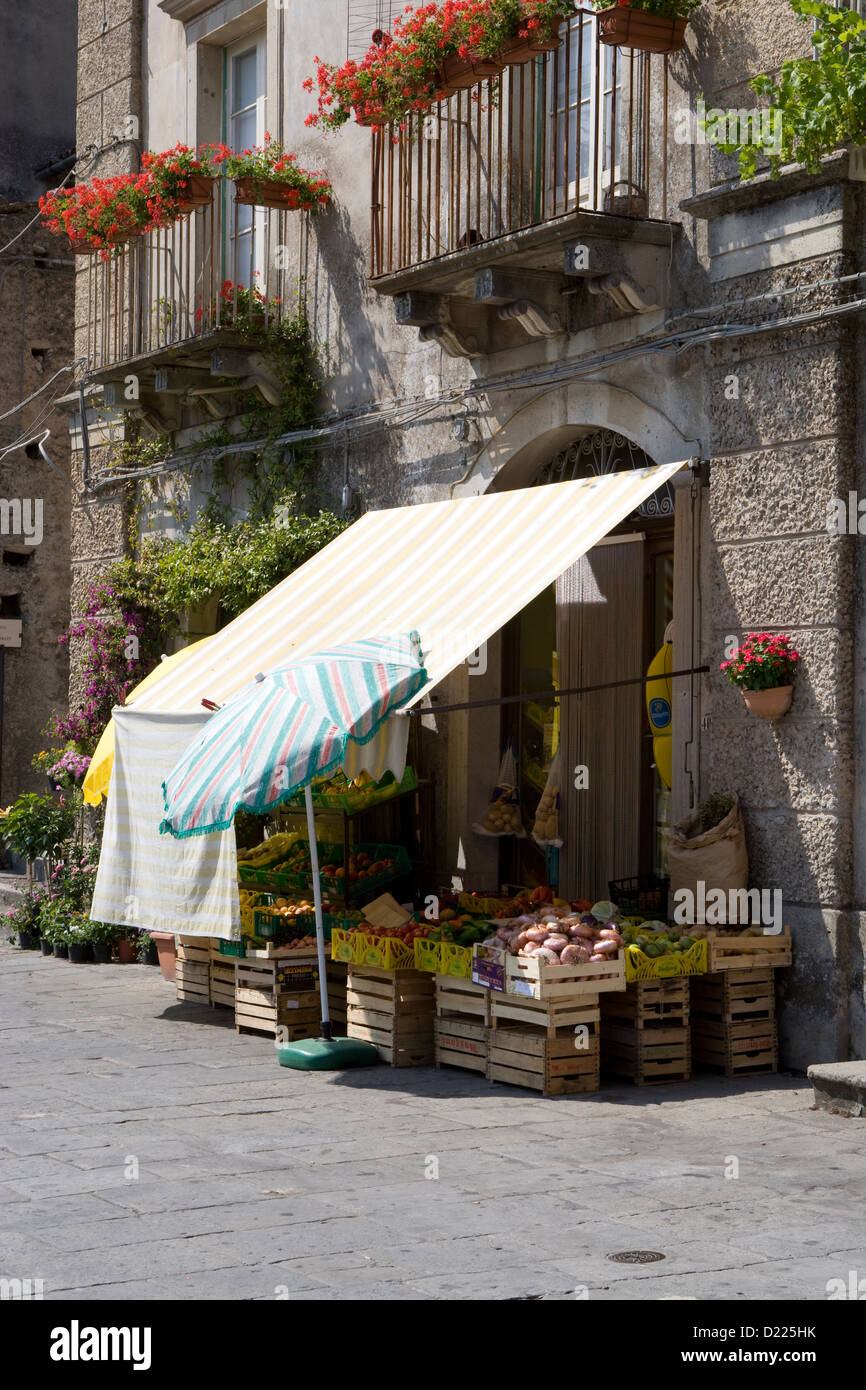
(556, 277)
(36, 353)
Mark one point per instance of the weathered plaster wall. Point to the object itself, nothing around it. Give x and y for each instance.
(36, 285)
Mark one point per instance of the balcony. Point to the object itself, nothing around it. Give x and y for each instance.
(488, 210)
(162, 334)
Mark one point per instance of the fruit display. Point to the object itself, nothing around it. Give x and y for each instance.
(546, 825)
(462, 930)
(270, 852)
(656, 939)
(563, 935)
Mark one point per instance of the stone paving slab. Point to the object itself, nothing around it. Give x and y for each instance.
(258, 1183)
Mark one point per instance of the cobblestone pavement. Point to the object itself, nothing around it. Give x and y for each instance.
(147, 1151)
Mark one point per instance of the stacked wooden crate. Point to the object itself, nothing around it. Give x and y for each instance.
(645, 1032)
(337, 977)
(461, 1027)
(192, 969)
(222, 979)
(393, 1009)
(734, 1021)
(277, 996)
(550, 1044)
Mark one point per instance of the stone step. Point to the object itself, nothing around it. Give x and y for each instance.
(840, 1087)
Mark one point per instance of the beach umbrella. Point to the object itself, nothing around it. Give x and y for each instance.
(279, 734)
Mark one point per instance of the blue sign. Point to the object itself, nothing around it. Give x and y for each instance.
(659, 712)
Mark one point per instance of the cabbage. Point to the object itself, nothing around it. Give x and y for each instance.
(604, 910)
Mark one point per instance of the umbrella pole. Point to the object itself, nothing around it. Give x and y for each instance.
(317, 902)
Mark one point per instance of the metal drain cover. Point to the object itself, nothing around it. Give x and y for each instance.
(636, 1257)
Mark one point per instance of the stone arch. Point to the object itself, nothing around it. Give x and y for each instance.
(552, 421)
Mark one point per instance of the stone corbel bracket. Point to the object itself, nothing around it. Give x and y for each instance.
(634, 275)
(431, 314)
(532, 300)
(250, 368)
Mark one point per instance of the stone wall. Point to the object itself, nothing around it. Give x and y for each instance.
(36, 304)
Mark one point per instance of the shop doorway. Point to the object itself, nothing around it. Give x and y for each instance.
(602, 622)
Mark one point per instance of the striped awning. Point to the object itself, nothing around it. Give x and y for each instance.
(454, 571)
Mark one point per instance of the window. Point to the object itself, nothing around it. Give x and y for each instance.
(587, 114)
(244, 124)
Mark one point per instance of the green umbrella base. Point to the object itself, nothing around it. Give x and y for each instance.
(319, 1054)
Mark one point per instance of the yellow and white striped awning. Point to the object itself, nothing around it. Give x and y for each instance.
(456, 571)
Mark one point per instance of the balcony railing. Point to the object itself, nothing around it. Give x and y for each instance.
(566, 131)
(168, 289)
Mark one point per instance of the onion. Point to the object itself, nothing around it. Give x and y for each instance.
(548, 956)
(530, 949)
(574, 955)
(504, 933)
(606, 948)
(598, 957)
(536, 934)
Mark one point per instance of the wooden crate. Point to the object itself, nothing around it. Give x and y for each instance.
(462, 1023)
(192, 981)
(394, 1010)
(526, 977)
(222, 980)
(648, 1002)
(194, 949)
(734, 1026)
(552, 1015)
(748, 952)
(651, 1055)
(272, 993)
(522, 1054)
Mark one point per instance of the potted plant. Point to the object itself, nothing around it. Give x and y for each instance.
(103, 214)
(269, 176)
(146, 951)
(24, 920)
(36, 826)
(763, 670)
(78, 939)
(650, 26)
(184, 176)
(127, 947)
(103, 937)
(432, 52)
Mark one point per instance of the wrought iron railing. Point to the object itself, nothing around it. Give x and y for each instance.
(563, 131)
(181, 283)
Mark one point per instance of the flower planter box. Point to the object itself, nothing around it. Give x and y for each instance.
(83, 247)
(624, 27)
(367, 118)
(457, 74)
(262, 193)
(522, 50)
(198, 192)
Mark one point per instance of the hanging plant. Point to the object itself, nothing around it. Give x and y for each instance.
(420, 61)
(183, 176)
(649, 26)
(102, 214)
(763, 671)
(269, 176)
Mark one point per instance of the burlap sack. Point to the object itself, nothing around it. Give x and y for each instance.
(718, 858)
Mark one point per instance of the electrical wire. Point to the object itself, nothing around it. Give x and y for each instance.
(69, 367)
(411, 409)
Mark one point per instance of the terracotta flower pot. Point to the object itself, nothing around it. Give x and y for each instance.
(769, 704)
(198, 192)
(126, 953)
(370, 118)
(622, 26)
(165, 947)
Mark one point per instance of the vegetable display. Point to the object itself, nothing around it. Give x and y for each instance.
(563, 935)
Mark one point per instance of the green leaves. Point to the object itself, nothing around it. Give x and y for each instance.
(822, 99)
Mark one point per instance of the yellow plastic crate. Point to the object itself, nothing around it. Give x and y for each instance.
(486, 907)
(428, 955)
(456, 960)
(386, 952)
(641, 967)
(343, 945)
